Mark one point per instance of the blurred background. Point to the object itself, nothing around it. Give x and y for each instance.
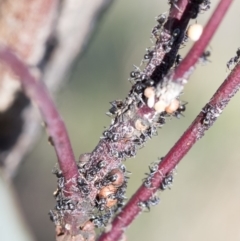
(204, 201)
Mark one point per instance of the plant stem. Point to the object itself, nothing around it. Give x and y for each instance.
(174, 11)
(38, 93)
(219, 101)
(198, 48)
(193, 133)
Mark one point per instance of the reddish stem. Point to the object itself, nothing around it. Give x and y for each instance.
(220, 99)
(198, 48)
(37, 92)
(194, 132)
(174, 11)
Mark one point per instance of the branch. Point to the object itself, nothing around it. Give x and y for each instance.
(174, 10)
(205, 119)
(159, 65)
(56, 128)
(203, 122)
(47, 40)
(198, 48)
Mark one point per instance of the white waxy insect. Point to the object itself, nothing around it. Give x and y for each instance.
(160, 106)
(151, 101)
(149, 92)
(194, 31)
(174, 105)
(140, 126)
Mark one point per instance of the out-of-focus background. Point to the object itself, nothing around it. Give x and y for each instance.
(204, 202)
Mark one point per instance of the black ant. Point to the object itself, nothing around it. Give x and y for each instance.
(178, 60)
(234, 60)
(83, 186)
(168, 45)
(205, 5)
(205, 56)
(116, 107)
(194, 11)
(179, 111)
(166, 182)
(153, 201)
(109, 135)
(161, 20)
(211, 114)
(101, 220)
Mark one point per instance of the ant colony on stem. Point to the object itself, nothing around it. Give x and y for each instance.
(101, 185)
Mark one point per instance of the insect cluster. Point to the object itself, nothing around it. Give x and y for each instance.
(153, 98)
(211, 113)
(103, 194)
(167, 182)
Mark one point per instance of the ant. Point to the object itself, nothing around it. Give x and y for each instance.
(166, 182)
(168, 46)
(204, 57)
(234, 60)
(153, 201)
(178, 60)
(83, 186)
(109, 135)
(211, 114)
(179, 111)
(161, 20)
(116, 107)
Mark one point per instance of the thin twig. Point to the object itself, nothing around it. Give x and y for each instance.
(205, 119)
(198, 48)
(38, 93)
(211, 111)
